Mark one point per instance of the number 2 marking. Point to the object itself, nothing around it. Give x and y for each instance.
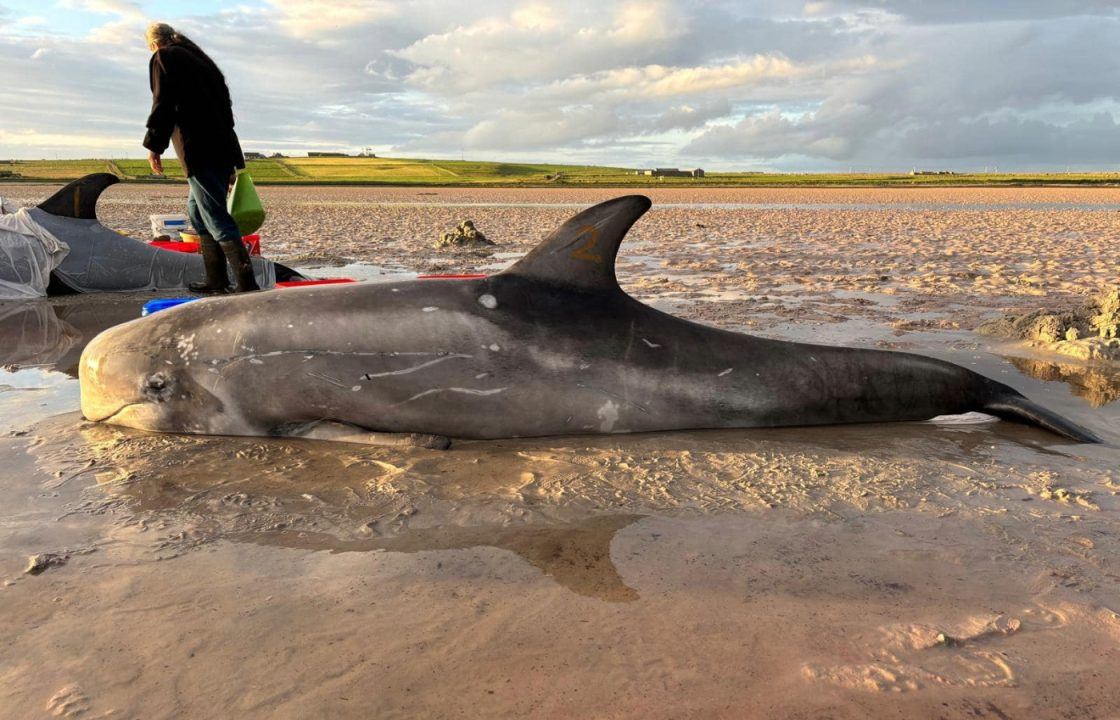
(585, 250)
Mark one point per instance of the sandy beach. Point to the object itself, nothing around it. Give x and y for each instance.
(951, 570)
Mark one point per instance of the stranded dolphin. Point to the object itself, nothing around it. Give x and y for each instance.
(550, 346)
(102, 260)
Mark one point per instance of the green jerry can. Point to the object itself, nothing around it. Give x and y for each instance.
(244, 204)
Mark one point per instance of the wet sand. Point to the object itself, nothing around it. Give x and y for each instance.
(905, 570)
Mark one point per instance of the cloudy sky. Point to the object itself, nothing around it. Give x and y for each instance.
(747, 84)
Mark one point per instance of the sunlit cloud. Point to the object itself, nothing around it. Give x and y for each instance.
(315, 19)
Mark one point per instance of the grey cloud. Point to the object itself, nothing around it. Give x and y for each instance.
(516, 130)
(688, 117)
(971, 11)
(1027, 141)
(770, 135)
(940, 93)
(389, 68)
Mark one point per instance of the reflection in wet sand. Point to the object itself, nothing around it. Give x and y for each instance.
(576, 555)
(52, 334)
(1098, 384)
(33, 334)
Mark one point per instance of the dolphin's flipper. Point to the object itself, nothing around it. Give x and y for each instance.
(344, 432)
(79, 199)
(580, 253)
(1020, 409)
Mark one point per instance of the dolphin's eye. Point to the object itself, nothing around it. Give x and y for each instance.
(157, 386)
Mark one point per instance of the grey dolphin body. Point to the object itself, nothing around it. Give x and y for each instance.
(103, 260)
(551, 346)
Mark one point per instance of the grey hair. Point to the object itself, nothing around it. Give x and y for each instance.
(161, 34)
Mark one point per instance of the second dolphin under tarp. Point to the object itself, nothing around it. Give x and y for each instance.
(103, 260)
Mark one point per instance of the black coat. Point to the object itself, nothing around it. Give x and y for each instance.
(192, 109)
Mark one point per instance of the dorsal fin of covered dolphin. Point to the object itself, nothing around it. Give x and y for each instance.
(79, 198)
(581, 252)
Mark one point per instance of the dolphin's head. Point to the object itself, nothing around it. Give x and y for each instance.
(148, 374)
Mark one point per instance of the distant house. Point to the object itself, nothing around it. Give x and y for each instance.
(277, 155)
(932, 172)
(254, 156)
(672, 172)
(327, 154)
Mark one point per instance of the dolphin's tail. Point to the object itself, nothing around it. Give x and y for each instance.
(1013, 406)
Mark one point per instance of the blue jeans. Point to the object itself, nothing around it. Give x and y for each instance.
(206, 206)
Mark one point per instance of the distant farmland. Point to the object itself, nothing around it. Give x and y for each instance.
(405, 171)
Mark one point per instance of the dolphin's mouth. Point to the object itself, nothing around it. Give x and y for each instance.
(123, 415)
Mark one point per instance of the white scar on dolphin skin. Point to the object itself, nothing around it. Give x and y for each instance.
(488, 301)
(465, 391)
(609, 415)
(616, 396)
(255, 358)
(430, 308)
(651, 344)
(414, 368)
(326, 378)
(725, 372)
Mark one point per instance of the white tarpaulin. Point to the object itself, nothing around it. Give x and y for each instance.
(28, 254)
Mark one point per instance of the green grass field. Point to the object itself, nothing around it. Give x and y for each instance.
(405, 171)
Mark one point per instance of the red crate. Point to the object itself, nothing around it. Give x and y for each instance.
(253, 242)
(309, 283)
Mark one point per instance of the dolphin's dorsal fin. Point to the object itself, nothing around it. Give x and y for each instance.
(79, 198)
(581, 252)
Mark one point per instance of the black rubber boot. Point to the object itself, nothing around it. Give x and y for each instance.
(238, 257)
(217, 279)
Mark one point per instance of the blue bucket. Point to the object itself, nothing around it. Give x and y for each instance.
(154, 306)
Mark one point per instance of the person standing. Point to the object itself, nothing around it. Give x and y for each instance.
(191, 109)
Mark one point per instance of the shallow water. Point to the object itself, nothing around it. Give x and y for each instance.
(914, 569)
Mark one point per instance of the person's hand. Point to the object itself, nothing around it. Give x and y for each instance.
(156, 163)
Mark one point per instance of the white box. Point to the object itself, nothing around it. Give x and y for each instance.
(170, 225)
